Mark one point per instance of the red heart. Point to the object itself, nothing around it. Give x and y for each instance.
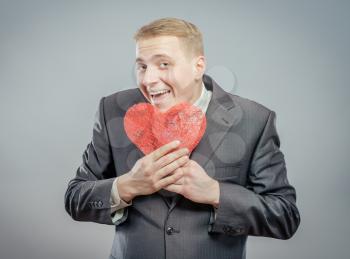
(149, 129)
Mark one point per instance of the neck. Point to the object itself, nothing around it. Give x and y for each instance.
(197, 92)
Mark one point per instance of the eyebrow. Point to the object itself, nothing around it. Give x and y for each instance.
(158, 56)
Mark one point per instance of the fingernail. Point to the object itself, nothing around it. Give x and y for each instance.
(177, 142)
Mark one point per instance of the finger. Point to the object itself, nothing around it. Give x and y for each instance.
(182, 179)
(170, 168)
(174, 188)
(170, 157)
(170, 179)
(179, 182)
(158, 153)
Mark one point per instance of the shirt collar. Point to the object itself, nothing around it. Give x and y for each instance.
(203, 101)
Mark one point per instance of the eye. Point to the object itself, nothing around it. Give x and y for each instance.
(164, 65)
(141, 67)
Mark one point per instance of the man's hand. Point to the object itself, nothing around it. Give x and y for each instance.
(196, 185)
(153, 172)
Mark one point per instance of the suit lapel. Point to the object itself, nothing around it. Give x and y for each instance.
(219, 121)
(220, 117)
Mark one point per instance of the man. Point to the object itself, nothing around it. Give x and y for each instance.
(172, 203)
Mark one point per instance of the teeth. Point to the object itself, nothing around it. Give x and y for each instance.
(158, 92)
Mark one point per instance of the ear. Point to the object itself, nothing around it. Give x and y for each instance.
(199, 67)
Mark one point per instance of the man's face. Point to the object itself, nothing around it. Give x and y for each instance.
(166, 73)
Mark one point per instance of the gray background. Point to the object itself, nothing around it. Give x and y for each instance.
(58, 58)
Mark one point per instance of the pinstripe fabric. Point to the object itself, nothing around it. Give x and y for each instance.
(240, 149)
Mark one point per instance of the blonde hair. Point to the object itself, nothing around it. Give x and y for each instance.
(187, 32)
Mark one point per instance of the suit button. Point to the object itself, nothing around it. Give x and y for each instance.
(227, 229)
(239, 230)
(169, 230)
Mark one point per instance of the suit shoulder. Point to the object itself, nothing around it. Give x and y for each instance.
(251, 106)
(253, 113)
(132, 93)
(122, 100)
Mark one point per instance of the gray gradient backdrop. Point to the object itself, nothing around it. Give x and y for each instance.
(58, 58)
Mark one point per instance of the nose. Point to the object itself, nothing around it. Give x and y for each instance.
(150, 76)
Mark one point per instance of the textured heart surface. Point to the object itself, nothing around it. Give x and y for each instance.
(149, 129)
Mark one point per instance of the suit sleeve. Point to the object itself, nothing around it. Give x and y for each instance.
(267, 205)
(88, 195)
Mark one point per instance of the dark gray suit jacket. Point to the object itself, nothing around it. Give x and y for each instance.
(240, 149)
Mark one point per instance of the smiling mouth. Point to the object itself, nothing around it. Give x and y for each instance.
(159, 93)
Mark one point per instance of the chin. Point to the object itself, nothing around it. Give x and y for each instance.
(164, 107)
